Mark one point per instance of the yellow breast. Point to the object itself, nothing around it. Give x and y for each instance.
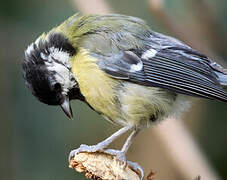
(124, 103)
(95, 85)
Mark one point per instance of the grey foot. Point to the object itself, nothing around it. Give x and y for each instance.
(85, 148)
(97, 148)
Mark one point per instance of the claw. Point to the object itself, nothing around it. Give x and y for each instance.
(137, 167)
(84, 148)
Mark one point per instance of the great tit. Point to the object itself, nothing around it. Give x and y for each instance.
(129, 74)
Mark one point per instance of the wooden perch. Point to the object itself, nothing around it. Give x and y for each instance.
(102, 166)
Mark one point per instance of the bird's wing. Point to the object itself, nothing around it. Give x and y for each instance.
(179, 69)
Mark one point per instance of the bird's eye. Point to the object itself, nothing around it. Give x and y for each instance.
(57, 87)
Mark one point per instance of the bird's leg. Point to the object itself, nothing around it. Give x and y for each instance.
(128, 142)
(100, 146)
(120, 154)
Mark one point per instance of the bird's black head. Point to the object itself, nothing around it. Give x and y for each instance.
(47, 71)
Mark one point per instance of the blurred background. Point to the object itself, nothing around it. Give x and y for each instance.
(35, 139)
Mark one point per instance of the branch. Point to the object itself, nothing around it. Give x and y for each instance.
(100, 166)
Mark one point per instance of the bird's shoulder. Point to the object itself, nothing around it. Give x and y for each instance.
(107, 33)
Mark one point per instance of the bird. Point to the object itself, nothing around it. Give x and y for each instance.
(131, 75)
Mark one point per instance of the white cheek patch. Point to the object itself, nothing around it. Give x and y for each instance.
(58, 61)
(149, 54)
(62, 75)
(136, 67)
(59, 55)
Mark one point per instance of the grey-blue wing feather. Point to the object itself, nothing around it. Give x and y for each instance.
(187, 74)
(118, 65)
(178, 69)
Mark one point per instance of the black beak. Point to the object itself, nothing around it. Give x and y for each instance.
(66, 107)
